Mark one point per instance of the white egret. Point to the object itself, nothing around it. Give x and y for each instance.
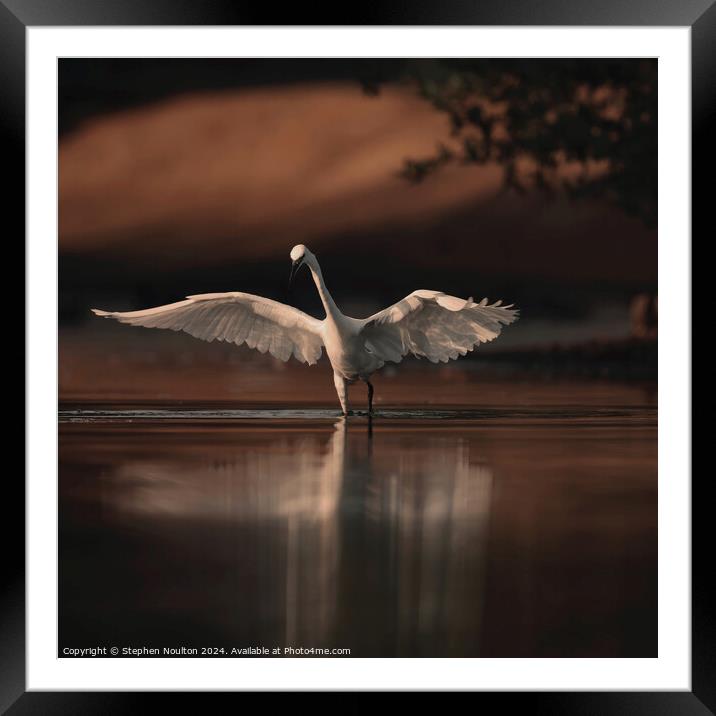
(428, 324)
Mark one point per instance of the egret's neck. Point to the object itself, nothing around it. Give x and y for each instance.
(328, 303)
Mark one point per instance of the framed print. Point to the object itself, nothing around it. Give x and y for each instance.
(450, 451)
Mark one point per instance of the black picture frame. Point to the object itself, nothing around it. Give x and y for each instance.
(17, 15)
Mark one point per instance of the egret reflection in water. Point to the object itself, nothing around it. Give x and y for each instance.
(298, 537)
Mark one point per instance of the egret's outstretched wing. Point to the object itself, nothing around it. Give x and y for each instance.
(435, 326)
(237, 318)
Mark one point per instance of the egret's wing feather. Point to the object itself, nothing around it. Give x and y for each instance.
(236, 318)
(433, 325)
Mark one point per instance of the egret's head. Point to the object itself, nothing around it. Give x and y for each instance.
(298, 252)
(299, 255)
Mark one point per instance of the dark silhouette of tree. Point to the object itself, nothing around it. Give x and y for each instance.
(586, 127)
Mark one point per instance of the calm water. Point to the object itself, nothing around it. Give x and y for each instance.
(506, 531)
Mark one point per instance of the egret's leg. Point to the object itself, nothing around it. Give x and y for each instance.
(370, 396)
(341, 389)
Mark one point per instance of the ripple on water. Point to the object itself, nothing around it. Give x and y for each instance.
(389, 414)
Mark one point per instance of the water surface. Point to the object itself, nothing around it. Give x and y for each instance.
(503, 530)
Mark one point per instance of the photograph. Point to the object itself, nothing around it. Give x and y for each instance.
(399, 395)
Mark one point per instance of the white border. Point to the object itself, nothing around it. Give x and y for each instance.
(670, 671)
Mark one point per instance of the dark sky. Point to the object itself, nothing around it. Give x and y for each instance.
(88, 87)
(103, 85)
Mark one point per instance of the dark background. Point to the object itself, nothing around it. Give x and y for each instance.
(188, 176)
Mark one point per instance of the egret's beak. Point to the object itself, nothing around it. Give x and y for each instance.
(294, 270)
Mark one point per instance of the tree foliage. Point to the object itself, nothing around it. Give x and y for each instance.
(586, 127)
